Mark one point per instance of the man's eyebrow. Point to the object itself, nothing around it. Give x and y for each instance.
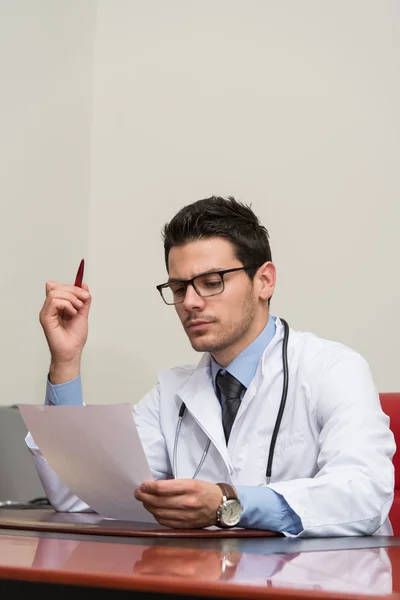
(213, 270)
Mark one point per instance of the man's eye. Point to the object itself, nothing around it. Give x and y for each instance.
(212, 284)
(178, 291)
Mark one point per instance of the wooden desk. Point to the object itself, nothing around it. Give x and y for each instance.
(107, 566)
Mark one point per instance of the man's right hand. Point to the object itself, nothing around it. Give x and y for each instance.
(64, 318)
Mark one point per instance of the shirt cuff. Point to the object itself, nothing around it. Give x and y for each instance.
(64, 394)
(263, 508)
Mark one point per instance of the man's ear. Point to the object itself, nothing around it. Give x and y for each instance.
(266, 279)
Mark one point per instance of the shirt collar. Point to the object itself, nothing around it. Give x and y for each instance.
(244, 366)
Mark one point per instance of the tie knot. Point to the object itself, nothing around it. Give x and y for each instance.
(230, 387)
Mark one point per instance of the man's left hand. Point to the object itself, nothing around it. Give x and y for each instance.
(181, 503)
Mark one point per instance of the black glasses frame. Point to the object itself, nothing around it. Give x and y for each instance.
(187, 282)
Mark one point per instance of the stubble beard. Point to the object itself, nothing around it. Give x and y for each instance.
(231, 333)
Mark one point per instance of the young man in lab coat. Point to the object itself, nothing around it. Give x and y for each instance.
(332, 473)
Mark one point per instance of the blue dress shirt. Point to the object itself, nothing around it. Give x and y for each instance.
(263, 508)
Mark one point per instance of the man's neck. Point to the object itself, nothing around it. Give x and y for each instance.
(227, 355)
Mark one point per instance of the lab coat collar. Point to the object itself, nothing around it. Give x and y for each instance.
(267, 369)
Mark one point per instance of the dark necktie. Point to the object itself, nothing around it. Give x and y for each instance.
(231, 389)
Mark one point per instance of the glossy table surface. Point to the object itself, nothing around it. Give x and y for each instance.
(218, 567)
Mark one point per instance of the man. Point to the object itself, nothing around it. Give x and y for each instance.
(332, 473)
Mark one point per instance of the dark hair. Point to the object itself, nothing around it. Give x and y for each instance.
(220, 217)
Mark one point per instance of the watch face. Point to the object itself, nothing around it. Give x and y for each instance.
(230, 512)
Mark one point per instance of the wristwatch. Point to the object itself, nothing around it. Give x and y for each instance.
(229, 511)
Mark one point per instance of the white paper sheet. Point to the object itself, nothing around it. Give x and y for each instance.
(96, 451)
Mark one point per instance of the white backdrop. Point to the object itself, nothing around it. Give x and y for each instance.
(289, 106)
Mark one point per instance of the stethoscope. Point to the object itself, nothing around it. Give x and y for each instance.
(277, 422)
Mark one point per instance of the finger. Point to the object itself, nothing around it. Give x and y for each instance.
(167, 514)
(178, 524)
(64, 295)
(51, 285)
(57, 306)
(175, 521)
(168, 487)
(55, 288)
(178, 502)
(81, 292)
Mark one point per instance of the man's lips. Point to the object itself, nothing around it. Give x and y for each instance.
(195, 324)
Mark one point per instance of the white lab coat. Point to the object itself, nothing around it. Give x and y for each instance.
(332, 460)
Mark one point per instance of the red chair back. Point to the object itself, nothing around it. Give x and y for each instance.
(390, 402)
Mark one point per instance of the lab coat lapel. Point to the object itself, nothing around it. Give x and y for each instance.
(202, 403)
(269, 368)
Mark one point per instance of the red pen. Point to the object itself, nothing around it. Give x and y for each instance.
(79, 275)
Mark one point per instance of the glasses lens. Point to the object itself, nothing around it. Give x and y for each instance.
(206, 285)
(173, 293)
(209, 285)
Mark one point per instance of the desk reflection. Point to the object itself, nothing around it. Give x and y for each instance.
(366, 571)
(363, 571)
(164, 561)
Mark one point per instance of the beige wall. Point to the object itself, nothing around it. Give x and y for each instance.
(292, 106)
(46, 55)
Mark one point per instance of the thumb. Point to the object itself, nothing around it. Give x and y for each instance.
(86, 301)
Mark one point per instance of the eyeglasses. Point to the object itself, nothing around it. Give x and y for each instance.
(209, 284)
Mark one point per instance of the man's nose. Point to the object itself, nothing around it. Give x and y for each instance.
(192, 299)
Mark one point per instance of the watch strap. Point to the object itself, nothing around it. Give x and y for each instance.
(228, 491)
